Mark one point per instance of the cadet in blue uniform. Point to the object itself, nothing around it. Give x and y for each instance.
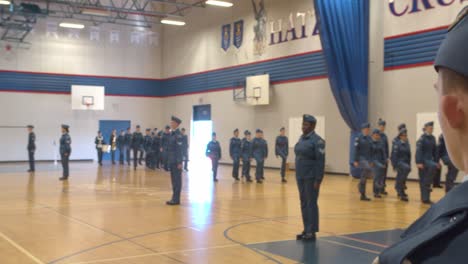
(127, 145)
(310, 168)
(441, 235)
(113, 144)
(401, 162)
(65, 151)
(384, 139)
(185, 146)
(259, 153)
(147, 143)
(246, 153)
(175, 159)
(378, 161)
(282, 150)
(31, 148)
(156, 148)
(137, 143)
(363, 158)
(235, 153)
(99, 142)
(213, 151)
(121, 146)
(164, 145)
(426, 160)
(452, 171)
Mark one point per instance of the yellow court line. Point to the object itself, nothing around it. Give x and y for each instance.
(20, 248)
(155, 254)
(346, 245)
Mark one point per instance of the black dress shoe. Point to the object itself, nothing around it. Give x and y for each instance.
(385, 193)
(30, 170)
(404, 199)
(172, 203)
(309, 237)
(249, 180)
(63, 178)
(300, 236)
(427, 202)
(365, 198)
(377, 196)
(439, 186)
(284, 180)
(259, 182)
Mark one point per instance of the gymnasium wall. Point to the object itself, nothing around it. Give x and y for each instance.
(412, 31)
(297, 70)
(36, 80)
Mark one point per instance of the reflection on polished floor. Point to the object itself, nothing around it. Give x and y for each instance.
(116, 215)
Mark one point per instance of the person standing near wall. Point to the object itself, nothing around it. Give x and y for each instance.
(310, 169)
(246, 153)
(379, 158)
(441, 234)
(452, 171)
(147, 142)
(175, 159)
(426, 160)
(235, 152)
(31, 148)
(65, 151)
(384, 139)
(137, 145)
(282, 151)
(362, 158)
(185, 146)
(260, 153)
(99, 142)
(401, 162)
(121, 146)
(128, 144)
(113, 145)
(213, 151)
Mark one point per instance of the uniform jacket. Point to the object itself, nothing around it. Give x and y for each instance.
(137, 140)
(378, 152)
(310, 157)
(213, 150)
(401, 152)
(147, 142)
(259, 149)
(282, 146)
(235, 147)
(165, 140)
(174, 147)
(384, 139)
(65, 144)
(443, 153)
(31, 141)
(363, 148)
(128, 139)
(156, 144)
(246, 149)
(120, 141)
(426, 149)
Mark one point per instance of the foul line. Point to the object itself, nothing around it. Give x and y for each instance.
(20, 248)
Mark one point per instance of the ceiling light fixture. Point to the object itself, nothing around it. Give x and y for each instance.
(5, 2)
(219, 3)
(173, 22)
(71, 25)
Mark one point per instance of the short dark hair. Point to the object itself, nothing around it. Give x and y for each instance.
(453, 80)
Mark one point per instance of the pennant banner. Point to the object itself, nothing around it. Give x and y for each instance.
(238, 33)
(226, 37)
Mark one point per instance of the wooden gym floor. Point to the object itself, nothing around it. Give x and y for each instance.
(116, 215)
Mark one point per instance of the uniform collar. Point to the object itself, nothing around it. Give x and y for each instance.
(308, 135)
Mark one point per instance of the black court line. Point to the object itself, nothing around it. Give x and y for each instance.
(350, 249)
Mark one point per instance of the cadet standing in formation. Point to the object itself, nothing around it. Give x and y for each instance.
(426, 160)
(259, 153)
(65, 151)
(175, 159)
(31, 148)
(147, 142)
(235, 152)
(137, 143)
(121, 146)
(128, 144)
(99, 141)
(310, 168)
(383, 137)
(185, 147)
(156, 148)
(165, 144)
(452, 171)
(113, 144)
(246, 153)
(379, 159)
(401, 162)
(362, 158)
(441, 234)
(213, 151)
(282, 150)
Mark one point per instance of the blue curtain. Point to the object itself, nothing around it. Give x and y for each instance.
(344, 33)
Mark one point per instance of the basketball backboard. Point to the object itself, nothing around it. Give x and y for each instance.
(86, 97)
(258, 90)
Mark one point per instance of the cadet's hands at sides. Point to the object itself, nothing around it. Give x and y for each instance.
(439, 166)
(317, 186)
(420, 166)
(356, 164)
(179, 166)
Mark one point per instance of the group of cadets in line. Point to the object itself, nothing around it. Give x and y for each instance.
(371, 155)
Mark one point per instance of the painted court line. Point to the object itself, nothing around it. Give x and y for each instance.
(20, 248)
(346, 245)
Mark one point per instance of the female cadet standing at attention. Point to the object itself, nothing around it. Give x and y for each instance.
(260, 153)
(234, 152)
(310, 167)
(65, 151)
(213, 151)
(99, 141)
(401, 162)
(246, 150)
(282, 150)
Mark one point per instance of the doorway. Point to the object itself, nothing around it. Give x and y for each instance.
(106, 127)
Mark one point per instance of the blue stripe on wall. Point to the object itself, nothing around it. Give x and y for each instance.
(413, 49)
(302, 66)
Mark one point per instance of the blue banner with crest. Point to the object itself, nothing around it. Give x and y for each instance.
(238, 33)
(226, 37)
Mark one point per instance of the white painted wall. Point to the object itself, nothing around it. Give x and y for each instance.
(47, 113)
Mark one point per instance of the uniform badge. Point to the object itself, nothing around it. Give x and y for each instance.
(226, 37)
